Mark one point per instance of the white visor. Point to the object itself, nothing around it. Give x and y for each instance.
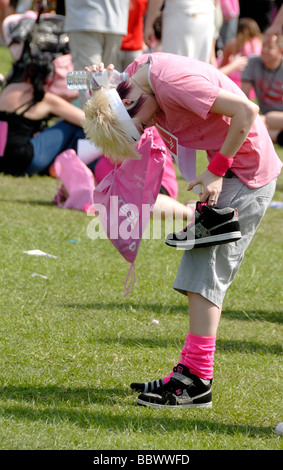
(123, 116)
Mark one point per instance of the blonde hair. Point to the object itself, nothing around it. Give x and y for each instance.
(103, 128)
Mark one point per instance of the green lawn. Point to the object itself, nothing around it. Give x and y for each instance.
(71, 342)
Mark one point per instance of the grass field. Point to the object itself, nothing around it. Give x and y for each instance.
(71, 342)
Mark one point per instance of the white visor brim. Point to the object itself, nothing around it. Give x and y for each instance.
(123, 116)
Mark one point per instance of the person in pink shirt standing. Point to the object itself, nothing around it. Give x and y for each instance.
(195, 106)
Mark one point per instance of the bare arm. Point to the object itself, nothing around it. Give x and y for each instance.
(152, 13)
(238, 63)
(242, 112)
(246, 87)
(277, 26)
(53, 104)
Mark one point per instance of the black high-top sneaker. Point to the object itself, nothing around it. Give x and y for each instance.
(149, 386)
(212, 226)
(184, 390)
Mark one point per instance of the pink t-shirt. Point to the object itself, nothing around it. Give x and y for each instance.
(185, 90)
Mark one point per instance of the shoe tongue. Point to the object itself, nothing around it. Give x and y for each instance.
(199, 206)
(181, 369)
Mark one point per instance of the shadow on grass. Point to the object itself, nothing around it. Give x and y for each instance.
(228, 346)
(254, 315)
(247, 315)
(128, 307)
(54, 405)
(27, 202)
(249, 347)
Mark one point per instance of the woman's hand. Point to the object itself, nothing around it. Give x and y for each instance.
(212, 187)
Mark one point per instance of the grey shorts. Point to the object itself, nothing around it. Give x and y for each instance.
(209, 271)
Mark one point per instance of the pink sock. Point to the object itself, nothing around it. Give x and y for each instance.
(183, 358)
(166, 379)
(198, 355)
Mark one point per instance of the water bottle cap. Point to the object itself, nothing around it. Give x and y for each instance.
(124, 76)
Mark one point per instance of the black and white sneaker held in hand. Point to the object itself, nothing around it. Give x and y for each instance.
(184, 390)
(212, 226)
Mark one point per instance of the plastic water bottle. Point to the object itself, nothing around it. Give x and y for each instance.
(84, 80)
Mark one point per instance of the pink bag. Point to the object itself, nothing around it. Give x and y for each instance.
(230, 9)
(3, 136)
(169, 180)
(124, 200)
(77, 179)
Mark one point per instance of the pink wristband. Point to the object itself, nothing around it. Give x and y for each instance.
(220, 164)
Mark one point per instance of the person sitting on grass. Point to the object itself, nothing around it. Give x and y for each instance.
(248, 42)
(23, 108)
(265, 74)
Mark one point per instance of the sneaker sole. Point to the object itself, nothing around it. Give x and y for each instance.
(206, 241)
(189, 405)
